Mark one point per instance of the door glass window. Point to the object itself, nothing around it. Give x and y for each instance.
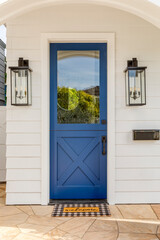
(78, 87)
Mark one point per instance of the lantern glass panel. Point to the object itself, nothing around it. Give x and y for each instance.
(20, 87)
(29, 87)
(135, 87)
(143, 87)
(127, 89)
(13, 79)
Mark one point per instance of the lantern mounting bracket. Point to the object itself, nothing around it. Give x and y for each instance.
(22, 65)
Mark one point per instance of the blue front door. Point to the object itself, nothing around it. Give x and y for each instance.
(78, 120)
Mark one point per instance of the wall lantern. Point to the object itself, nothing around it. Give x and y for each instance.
(21, 84)
(135, 84)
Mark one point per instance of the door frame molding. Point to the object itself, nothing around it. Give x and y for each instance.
(46, 39)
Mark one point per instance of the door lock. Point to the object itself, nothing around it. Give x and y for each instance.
(104, 121)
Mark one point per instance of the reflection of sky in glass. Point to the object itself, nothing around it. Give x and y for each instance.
(80, 72)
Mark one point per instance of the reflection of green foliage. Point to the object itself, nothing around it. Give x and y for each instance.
(68, 98)
(77, 106)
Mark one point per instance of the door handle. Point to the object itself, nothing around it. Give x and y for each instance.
(104, 139)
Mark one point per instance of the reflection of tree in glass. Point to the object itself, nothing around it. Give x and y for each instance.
(68, 98)
(77, 106)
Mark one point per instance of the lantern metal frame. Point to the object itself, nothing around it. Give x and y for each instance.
(22, 65)
(134, 68)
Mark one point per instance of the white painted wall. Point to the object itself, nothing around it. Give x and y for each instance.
(146, 9)
(2, 143)
(137, 163)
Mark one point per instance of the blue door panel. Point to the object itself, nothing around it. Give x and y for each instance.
(77, 165)
(78, 169)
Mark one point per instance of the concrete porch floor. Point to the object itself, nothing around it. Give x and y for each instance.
(33, 222)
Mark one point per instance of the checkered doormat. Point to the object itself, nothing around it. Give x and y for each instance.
(80, 210)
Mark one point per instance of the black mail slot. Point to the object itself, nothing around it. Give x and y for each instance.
(146, 135)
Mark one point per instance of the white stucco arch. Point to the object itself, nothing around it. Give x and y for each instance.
(140, 8)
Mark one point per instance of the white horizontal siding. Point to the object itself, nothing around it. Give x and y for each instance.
(26, 30)
(23, 198)
(137, 197)
(23, 186)
(128, 126)
(153, 91)
(23, 139)
(23, 115)
(23, 151)
(138, 174)
(132, 39)
(124, 138)
(33, 55)
(152, 78)
(138, 186)
(138, 150)
(152, 101)
(28, 162)
(19, 44)
(16, 31)
(23, 127)
(136, 162)
(138, 114)
(140, 52)
(127, 139)
(23, 174)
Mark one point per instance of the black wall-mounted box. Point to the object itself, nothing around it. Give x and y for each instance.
(146, 134)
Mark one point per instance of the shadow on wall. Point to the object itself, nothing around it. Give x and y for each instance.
(2, 112)
(2, 143)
